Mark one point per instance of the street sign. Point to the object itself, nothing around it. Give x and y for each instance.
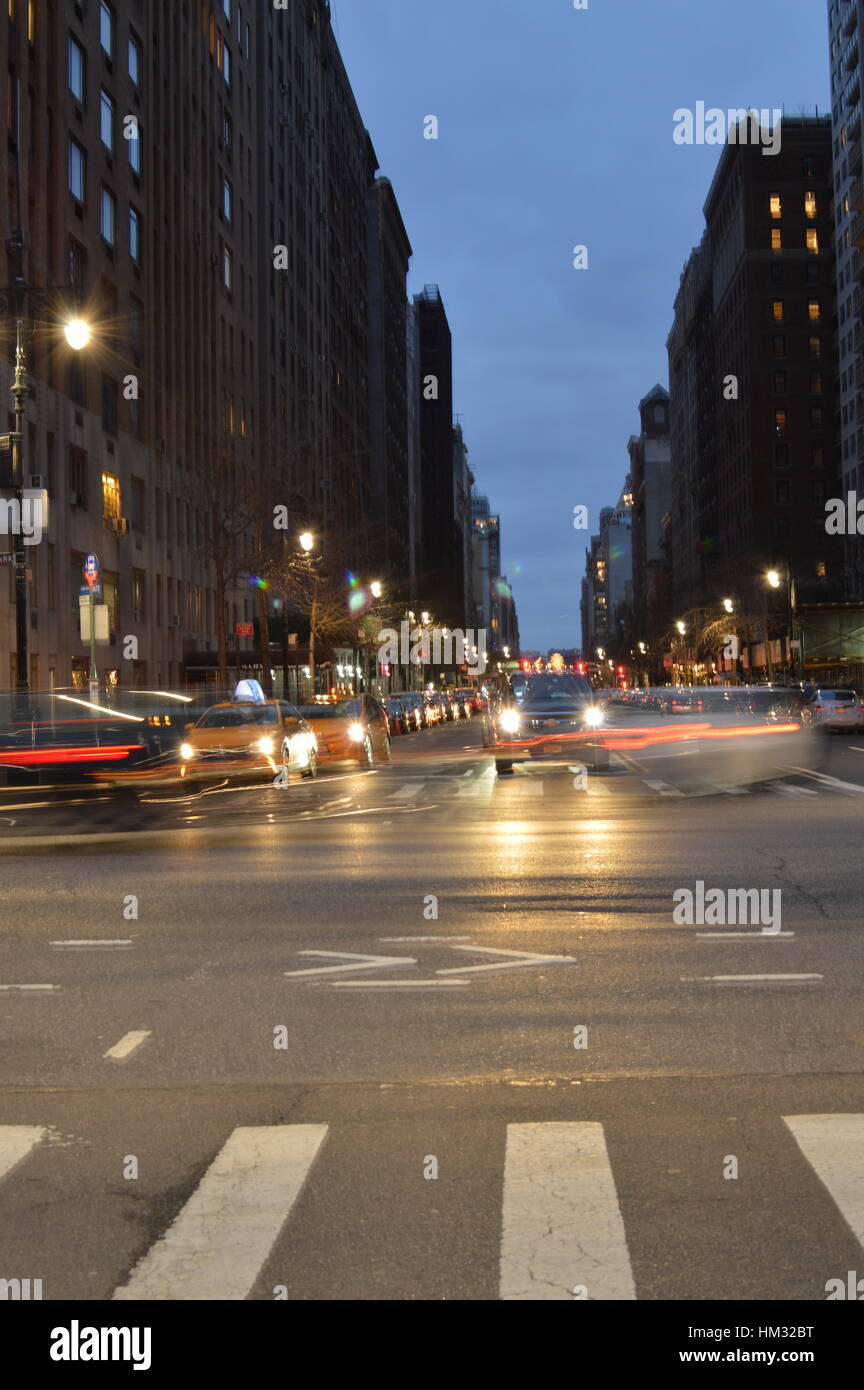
(95, 589)
(91, 569)
(245, 629)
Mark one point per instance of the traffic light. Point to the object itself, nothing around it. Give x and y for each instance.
(581, 668)
(525, 664)
(622, 670)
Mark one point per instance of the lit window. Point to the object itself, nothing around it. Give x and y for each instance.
(106, 121)
(108, 214)
(777, 310)
(780, 420)
(815, 347)
(227, 267)
(77, 170)
(812, 240)
(776, 239)
(31, 21)
(76, 70)
(776, 206)
(134, 60)
(110, 499)
(814, 310)
(106, 28)
(810, 205)
(135, 235)
(815, 383)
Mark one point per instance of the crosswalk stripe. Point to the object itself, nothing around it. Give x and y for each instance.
(561, 1223)
(833, 1145)
(662, 787)
(221, 1238)
(408, 791)
(16, 1142)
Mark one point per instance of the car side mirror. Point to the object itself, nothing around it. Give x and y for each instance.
(189, 728)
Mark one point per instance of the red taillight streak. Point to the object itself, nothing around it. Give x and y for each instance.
(44, 756)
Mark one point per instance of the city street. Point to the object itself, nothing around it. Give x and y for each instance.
(414, 993)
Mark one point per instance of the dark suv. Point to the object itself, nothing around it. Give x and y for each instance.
(549, 715)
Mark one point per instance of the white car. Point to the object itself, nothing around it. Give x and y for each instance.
(833, 709)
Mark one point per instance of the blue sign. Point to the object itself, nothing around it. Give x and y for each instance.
(91, 568)
(95, 590)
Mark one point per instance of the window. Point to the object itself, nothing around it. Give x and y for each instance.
(781, 492)
(110, 499)
(77, 170)
(227, 130)
(134, 143)
(816, 418)
(780, 421)
(776, 273)
(814, 310)
(106, 28)
(779, 346)
(817, 457)
(781, 455)
(226, 64)
(815, 383)
(817, 491)
(776, 239)
(226, 199)
(106, 120)
(139, 592)
(76, 70)
(775, 205)
(78, 471)
(109, 405)
(777, 310)
(134, 60)
(135, 326)
(135, 235)
(810, 205)
(136, 515)
(226, 7)
(815, 345)
(108, 215)
(812, 240)
(227, 267)
(779, 383)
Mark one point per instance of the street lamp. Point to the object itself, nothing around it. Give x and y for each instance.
(77, 333)
(774, 578)
(307, 545)
(729, 605)
(376, 589)
(307, 541)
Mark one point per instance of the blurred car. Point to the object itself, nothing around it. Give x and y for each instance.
(400, 715)
(254, 734)
(412, 701)
(353, 730)
(434, 703)
(833, 710)
(553, 715)
(467, 698)
(682, 702)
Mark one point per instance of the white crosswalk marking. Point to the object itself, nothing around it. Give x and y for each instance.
(16, 1142)
(834, 1147)
(562, 1226)
(223, 1235)
(408, 792)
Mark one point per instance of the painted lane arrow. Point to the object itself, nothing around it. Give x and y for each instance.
(525, 958)
(356, 962)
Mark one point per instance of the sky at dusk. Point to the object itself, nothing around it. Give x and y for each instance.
(555, 129)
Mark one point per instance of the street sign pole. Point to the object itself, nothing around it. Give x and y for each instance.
(92, 576)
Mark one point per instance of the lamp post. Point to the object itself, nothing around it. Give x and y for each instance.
(307, 545)
(18, 296)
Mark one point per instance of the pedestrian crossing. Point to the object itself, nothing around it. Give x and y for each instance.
(561, 1227)
(533, 784)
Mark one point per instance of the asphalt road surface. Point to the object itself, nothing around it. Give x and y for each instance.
(424, 1033)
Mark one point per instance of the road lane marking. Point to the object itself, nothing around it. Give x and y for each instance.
(408, 791)
(397, 984)
(833, 1145)
(525, 958)
(852, 787)
(662, 787)
(788, 789)
(16, 1142)
(561, 1222)
(355, 962)
(95, 943)
(400, 940)
(128, 1044)
(25, 989)
(753, 979)
(217, 1244)
(745, 935)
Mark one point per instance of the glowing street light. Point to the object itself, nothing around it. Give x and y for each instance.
(77, 333)
(728, 605)
(307, 541)
(682, 627)
(376, 589)
(774, 579)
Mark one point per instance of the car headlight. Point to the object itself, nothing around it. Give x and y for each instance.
(356, 733)
(593, 717)
(187, 751)
(509, 721)
(266, 745)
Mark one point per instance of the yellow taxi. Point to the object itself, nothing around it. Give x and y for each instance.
(251, 733)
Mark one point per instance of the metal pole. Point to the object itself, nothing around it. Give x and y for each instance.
(313, 618)
(19, 391)
(768, 662)
(94, 674)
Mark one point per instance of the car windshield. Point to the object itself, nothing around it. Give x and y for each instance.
(841, 697)
(563, 688)
(338, 709)
(237, 716)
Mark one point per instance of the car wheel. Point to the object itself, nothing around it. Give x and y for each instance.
(388, 750)
(312, 769)
(367, 757)
(503, 765)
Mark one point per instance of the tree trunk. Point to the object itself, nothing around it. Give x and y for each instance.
(221, 635)
(264, 644)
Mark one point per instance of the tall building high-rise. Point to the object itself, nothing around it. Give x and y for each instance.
(650, 483)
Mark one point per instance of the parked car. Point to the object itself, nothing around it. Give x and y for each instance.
(434, 706)
(355, 730)
(400, 717)
(835, 710)
(412, 701)
(467, 697)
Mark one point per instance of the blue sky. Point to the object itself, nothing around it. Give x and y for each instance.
(555, 129)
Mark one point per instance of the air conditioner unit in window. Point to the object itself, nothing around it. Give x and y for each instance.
(76, 499)
(38, 482)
